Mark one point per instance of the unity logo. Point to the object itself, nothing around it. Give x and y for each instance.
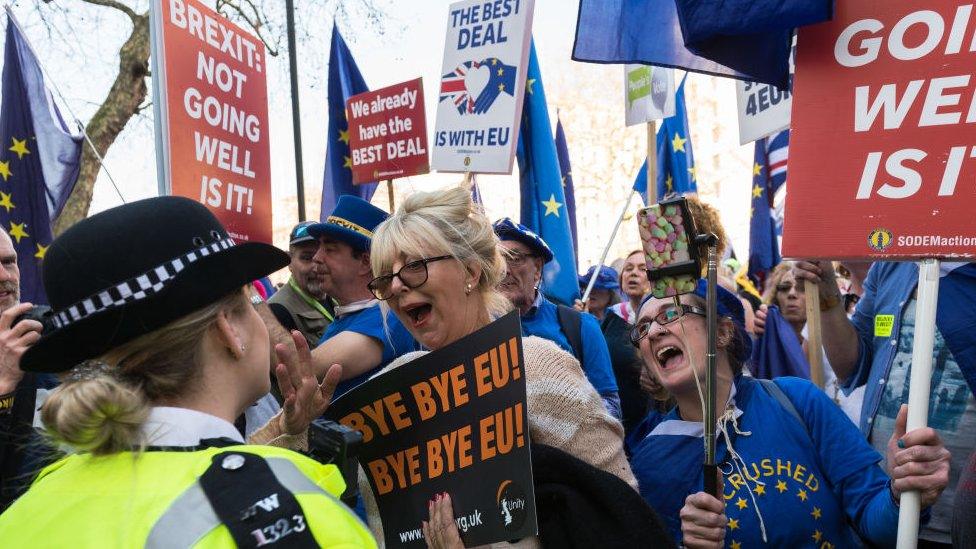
(880, 239)
(511, 502)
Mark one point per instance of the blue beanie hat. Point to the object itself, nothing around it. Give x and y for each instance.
(729, 307)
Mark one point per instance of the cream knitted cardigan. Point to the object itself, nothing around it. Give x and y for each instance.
(565, 412)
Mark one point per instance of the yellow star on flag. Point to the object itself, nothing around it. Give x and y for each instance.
(494, 60)
(41, 251)
(678, 144)
(756, 191)
(760, 490)
(756, 169)
(344, 136)
(735, 545)
(802, 494)
(347, 162)
(733, 524)
(528, 85)
(5, 170)
(17, 231)
(501, 87)
(552, 207)
(693, 172)
(781, 486)
(741, 503)
(669, 183)
(5, 201)
(501, 72)
(816, 512)
(817, 535)
(19, 147)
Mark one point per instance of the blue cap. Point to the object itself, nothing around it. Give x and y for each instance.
(300, 233)
(606, 280)
(352, 221)
(506, 229)
(729, 307)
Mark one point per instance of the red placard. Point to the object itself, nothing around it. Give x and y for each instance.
(883, 154)
(215, 116)
(388, 132)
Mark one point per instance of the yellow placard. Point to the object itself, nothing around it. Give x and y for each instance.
(883, 325)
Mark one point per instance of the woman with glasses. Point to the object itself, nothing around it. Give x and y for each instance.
(787, 294)
(437, 265)
(794, 470)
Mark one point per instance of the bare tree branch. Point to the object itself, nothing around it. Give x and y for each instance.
(249, 13)
(116, 5)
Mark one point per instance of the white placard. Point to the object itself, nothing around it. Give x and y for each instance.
(482, 86)
(648, 93)
(763, 110)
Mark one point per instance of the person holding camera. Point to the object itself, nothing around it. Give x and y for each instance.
(169, 352)
(17, 390)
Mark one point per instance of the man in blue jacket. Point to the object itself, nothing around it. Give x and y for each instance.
(526, 253)
(874, 349)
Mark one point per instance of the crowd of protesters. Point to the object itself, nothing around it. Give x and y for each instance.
(164, 387)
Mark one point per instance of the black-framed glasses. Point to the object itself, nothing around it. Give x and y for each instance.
(412, 275)
(665, 317)
(517, 258)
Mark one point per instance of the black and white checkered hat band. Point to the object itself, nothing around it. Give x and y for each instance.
(139, 287)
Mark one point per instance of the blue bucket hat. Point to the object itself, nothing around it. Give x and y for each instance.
(606, 280)
(352, 221)
(506, 229)
(730, 307)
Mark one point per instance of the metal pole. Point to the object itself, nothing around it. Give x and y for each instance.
(295, 113)
(919, 388)
(606, 250)
(710, 416)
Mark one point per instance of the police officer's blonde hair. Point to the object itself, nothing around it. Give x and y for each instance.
(103, 404)
(443, 222)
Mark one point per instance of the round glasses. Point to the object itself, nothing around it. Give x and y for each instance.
(665, 317)
(412, 275)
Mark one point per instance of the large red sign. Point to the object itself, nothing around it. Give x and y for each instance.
(388, 132)
(883, 152)
(215, 116)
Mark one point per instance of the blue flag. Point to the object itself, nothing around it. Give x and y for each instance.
(543, 201)
(675, 159)
(344, 82)
(650, 32)
(39, 160)
(778, 352)
(566, 173)
(763, 244)
(956, 315)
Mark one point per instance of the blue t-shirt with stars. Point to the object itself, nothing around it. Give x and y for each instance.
(809, 482)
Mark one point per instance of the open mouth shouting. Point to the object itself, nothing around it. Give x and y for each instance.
(669, 357)
(418, 313)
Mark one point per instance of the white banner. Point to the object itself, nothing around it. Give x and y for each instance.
(648, 93)
(482, 86)
(763, 110)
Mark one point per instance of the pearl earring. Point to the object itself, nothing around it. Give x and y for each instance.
(467, 289)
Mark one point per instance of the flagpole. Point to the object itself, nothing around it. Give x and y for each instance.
(919, 389)
(389, 191)
(814, 342)
(48, 79)
(295, 113)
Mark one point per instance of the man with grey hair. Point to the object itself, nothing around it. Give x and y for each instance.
(302, 303)
(18, 392)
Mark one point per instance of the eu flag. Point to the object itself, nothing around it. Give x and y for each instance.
(650, 32)
(39, 160)
(566, 173)
(778, 352)
(543, 201)
(675, 160)
(763, 244)
(345, 81)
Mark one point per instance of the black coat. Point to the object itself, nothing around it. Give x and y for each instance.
(634, 403)
(579, 505)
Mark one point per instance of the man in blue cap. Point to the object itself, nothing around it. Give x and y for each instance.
(357, 338)
(575, 332)
(302, 304)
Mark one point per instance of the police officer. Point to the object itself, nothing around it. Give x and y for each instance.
(577, 333)
(171, 352)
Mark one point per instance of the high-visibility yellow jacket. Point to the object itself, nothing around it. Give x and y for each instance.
(155, 499)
